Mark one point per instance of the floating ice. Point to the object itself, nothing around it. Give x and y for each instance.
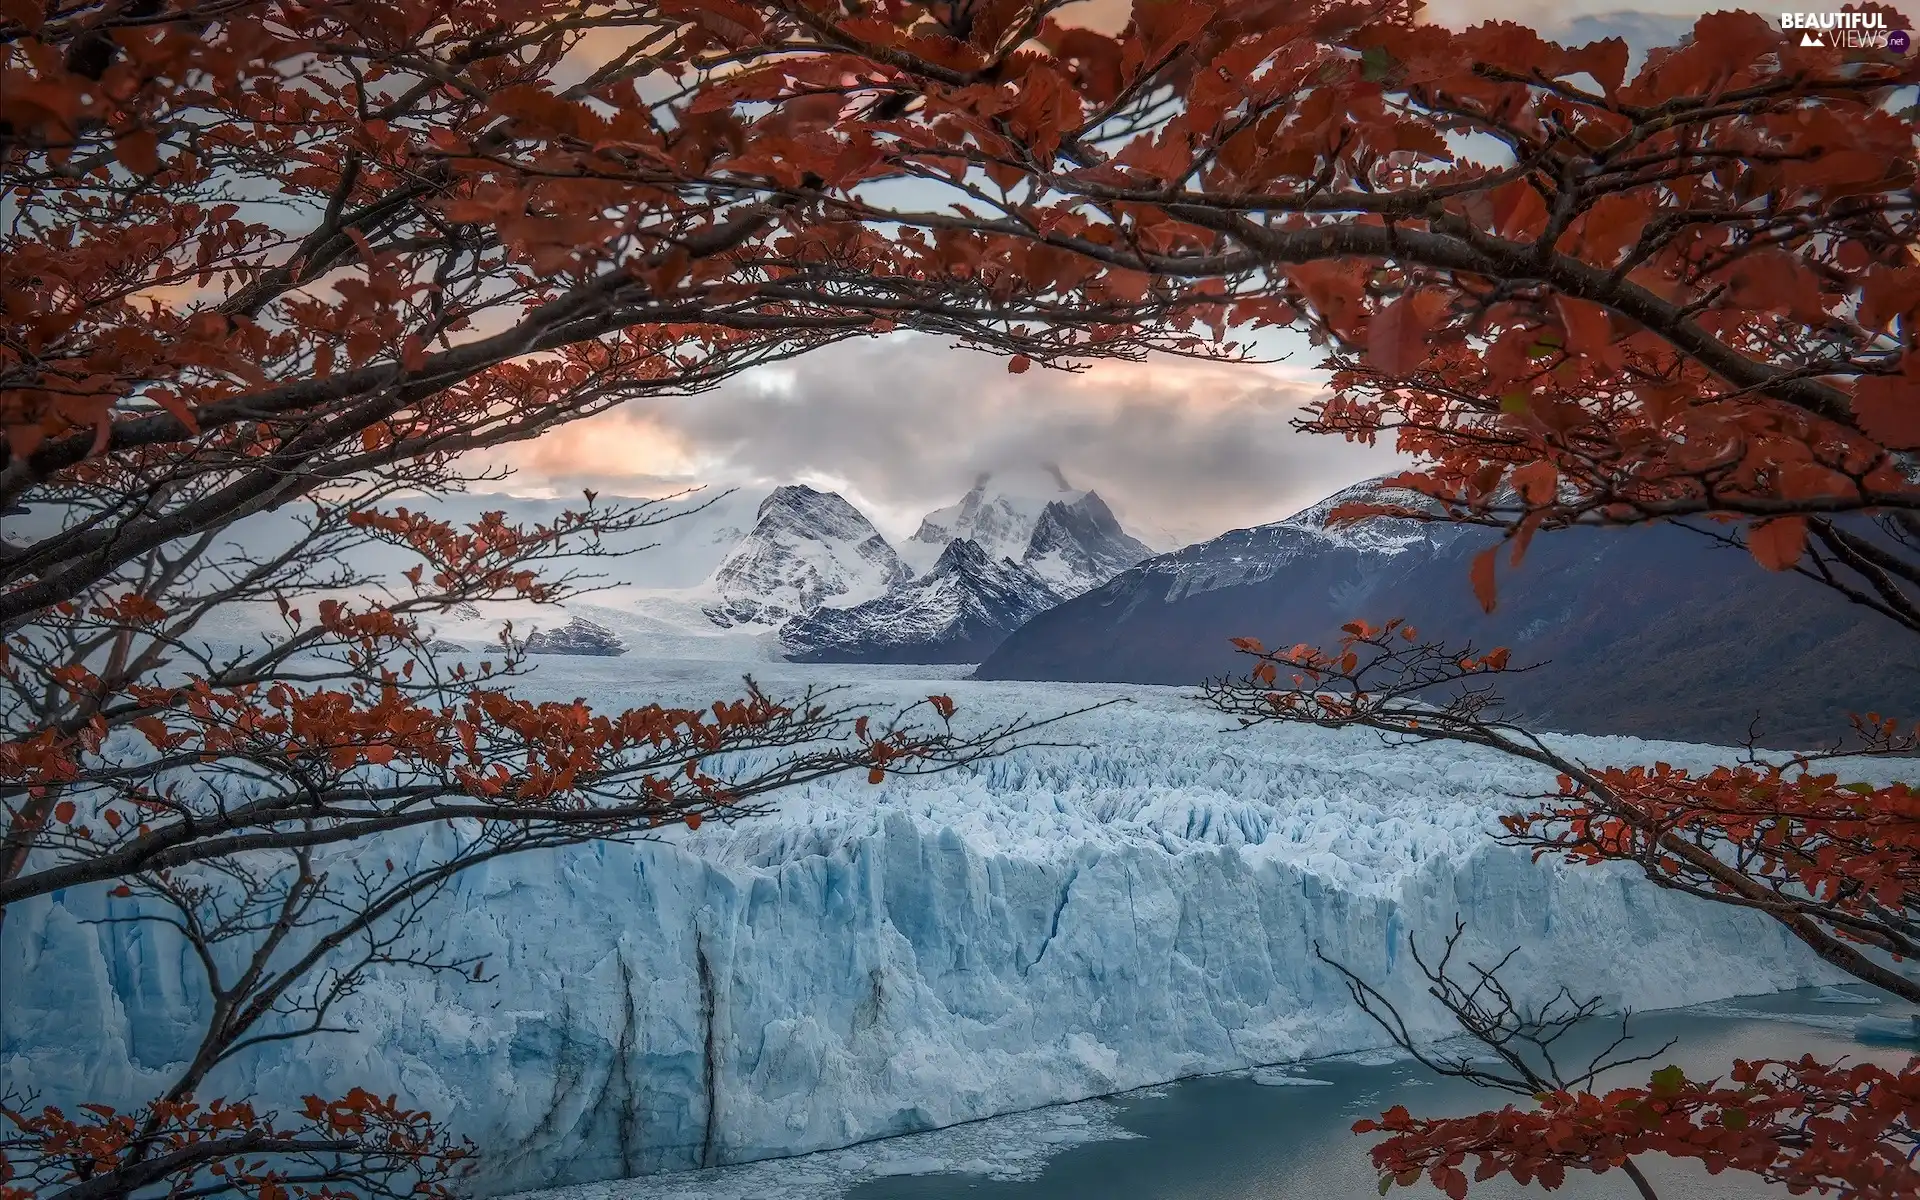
(1284, 1077)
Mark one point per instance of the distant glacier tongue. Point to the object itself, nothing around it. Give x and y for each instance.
(870, 961)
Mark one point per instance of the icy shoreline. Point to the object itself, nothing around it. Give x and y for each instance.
(1060, 925)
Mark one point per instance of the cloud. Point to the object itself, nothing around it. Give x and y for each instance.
(903, 424)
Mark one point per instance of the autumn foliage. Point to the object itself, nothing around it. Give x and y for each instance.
(1701, 311)
(1833, 861)
(271, 273)
(395, 1152)
(1805, 1124)
(296, 260)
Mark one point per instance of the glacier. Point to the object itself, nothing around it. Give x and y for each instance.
(1136, 904)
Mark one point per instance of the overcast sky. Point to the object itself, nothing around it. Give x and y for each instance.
(901, 425)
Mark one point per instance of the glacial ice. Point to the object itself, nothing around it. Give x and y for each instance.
(1064, 923)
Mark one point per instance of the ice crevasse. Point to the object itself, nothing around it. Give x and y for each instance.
(1059, 924)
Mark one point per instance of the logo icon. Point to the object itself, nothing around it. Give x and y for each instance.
(1846, 30)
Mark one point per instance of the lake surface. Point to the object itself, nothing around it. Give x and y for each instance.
(1273, 1134)
(1227, 1138)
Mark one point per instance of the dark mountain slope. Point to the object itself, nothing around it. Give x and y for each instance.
(1655, 632)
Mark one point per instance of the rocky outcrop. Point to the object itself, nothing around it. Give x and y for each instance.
(577, 636)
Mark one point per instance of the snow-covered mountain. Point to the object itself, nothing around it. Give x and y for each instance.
(1079, 545)
(812, 566)
(999, 513)
(1242, 557)
(1069, 537)
(1646, 631)
(730, 568)
(806, 548)
(957, 612)
(1014, 546)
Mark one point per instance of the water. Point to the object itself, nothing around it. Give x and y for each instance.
(1265, 1134)
(1228, 1138)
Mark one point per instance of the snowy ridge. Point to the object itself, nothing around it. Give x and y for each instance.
(1376, 535)
(1054, 925)
(1247, 556)
(957, 612)
(577, 636)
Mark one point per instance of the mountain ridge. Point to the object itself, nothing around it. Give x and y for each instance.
(955, 613)
(739, 570)
(1652, 631)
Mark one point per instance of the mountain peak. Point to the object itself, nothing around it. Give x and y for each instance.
(960, 554)
(1367, 491)
(799, 498)
(1033, 516)
(807, 548)
(957, 612)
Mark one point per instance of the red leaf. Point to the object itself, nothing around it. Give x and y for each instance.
(1538, 482)
(1482, 575)
(173, 403)
(26, 12)
(63, 812)
(1611, 225)
(1018, 364)
(1397, 335)
(1517, 209)
(139, 151)
(1588, 330)
(1778, 543)
(1888, 410)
